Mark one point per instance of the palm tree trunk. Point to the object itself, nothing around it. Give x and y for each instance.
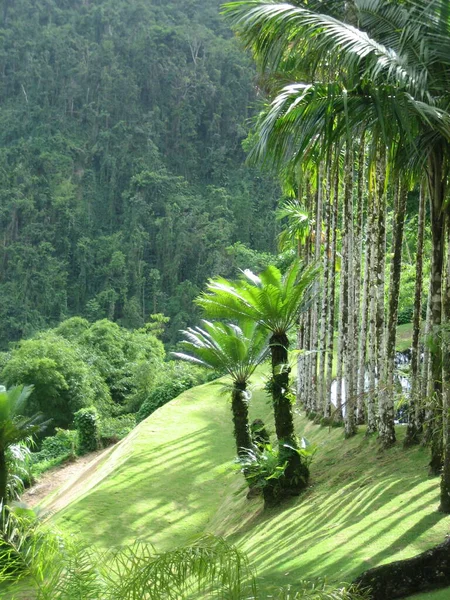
(436, 182)
(239, 407)
(296, 473)
(349, 313)
(380, 279)
(363, 335)
(372, 392)
(322, 386)
(357, 261)
(332, 293)
(340, 343)
(414, 428)
(386, 423)
(445, 475)
(315, 400)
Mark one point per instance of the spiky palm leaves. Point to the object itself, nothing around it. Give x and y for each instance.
(390, 72)
(14, 428)
(43, 565)
(273, 301)
(237, 350)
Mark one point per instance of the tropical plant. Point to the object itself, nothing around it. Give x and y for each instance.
(274, 302)
(297, 228)
(49, 566)
(236, 350)
(263, 469)
(373, 64)
(19, 461)
(14, 428)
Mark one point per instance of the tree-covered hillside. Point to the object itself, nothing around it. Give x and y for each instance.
(122, 177)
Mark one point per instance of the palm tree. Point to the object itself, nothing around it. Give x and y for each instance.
(393, 78)
(14, 428)
(237, 350)
(274, 302)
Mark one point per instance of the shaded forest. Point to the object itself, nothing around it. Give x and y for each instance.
(121, 163)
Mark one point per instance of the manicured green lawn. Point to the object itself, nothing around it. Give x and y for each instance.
(174, 477)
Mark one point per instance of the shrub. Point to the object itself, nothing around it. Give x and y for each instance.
(265, 466)
(86, 422)
(61, 445)
(113, 429)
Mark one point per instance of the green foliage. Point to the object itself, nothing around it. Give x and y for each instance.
(175, 379)
(14, 429)
(86, 422)
(119, 354)
(234, 349)
(19, 464)
(271, 299)
(265, 466)
(62, 381)
(123, 177)
(113, 429)
(80, 363)
(262, 466)
(62, 445)
(49, 566)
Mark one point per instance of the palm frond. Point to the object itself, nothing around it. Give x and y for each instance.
(235, 349)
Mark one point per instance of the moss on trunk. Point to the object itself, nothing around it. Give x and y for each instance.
(239, 407)
(296, 473)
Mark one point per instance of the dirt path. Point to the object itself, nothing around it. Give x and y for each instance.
(58, 476)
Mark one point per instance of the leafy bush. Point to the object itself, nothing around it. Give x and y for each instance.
(61, 445)
(265, 466)
(113, 429)
(62, 381)
(120, 355)
(86, 422)
(405, 315)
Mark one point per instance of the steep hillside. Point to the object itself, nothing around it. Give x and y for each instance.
(173, 477)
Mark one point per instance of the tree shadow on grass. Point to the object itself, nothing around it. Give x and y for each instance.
(165, 492)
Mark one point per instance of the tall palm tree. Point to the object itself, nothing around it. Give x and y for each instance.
(379, 64)
(14, 428)
(237, 350)
(274, 302)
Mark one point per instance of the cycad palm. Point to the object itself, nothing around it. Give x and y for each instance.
(14, 428)
(237, 350)
(273, 301)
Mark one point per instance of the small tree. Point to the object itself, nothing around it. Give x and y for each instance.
(274, 302)
(237, 350)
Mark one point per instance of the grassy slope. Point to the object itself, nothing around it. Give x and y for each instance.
(173, 478)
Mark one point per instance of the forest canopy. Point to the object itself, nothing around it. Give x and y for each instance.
(121, 160)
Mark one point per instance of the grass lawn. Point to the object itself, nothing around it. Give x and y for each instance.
(173, 477)
(404, 337)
